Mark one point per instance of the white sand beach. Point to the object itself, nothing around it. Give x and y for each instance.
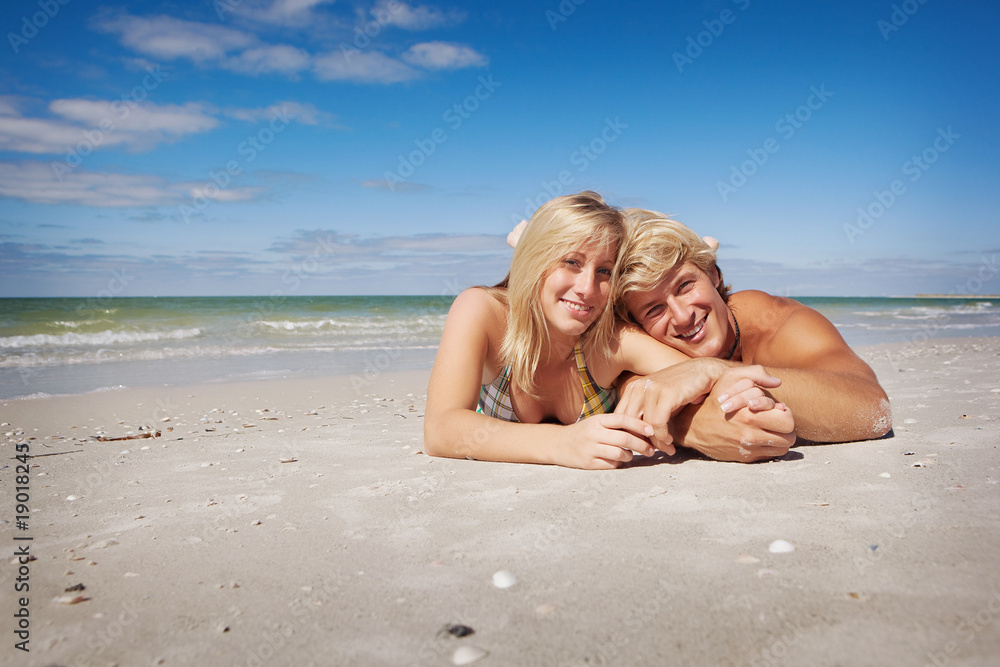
(297, 522)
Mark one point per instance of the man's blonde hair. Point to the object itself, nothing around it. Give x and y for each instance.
(654, 246)
(558, 227)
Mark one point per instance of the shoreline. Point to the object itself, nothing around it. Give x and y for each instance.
(297, 521)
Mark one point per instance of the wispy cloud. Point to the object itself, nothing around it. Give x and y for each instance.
(362, 67)
(337, 263)
(306, 114)
(286, 13)
(280, 59)
(168, 38)
(444, 55)
(410, 17)
(244, 51)
(38, 182)
(101, 124)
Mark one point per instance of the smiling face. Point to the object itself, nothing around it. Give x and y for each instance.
(686, 312)
(575, 292)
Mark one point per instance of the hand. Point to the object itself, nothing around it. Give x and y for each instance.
(712, 242)
(515, 234)
(603, 442)
(659, 396)
(742, 388)
(743, 435)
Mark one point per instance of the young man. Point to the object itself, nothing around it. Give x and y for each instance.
(669, 285)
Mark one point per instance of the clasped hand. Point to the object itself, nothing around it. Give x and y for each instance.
(748, 424)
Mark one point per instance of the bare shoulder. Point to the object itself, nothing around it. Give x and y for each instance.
(784, 332)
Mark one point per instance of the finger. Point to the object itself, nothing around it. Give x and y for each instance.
(712, 242)
(776, 421)
(614, 453)
(742, 399)
(629, 443)
(665, 446)
(738, 387)
(627, 424)
(630, 402)
(761, 404)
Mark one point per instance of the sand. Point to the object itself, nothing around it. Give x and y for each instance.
(297, 522)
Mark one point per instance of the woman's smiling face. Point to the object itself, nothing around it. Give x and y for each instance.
(686, 312)
(575, 292)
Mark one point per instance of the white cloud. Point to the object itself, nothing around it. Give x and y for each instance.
(265, 59)
(40, 183)
(101, 124)
(168, 38)
(409, 17)
(362, 66)
(289, 13)
(141, 122)
(444, 55)
(306, 114)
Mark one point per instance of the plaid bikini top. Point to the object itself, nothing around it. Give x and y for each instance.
(494, 398)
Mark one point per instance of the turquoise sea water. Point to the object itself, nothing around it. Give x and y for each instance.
(65, 346)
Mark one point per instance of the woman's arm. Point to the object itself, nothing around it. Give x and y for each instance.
(453, 428)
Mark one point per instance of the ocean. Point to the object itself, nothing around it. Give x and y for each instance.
(75, 345)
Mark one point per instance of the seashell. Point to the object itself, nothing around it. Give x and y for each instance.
(459, 630)
(884, 474)
(72, 497)
(290, 459)
(70, 599)
(781, 547)
(504, 579)
(466, 655)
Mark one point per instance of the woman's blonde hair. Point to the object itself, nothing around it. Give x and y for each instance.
(557, 228)
(654, 246)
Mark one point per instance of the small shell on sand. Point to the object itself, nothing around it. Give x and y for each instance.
(70, 599)
(466, 655)
(884, 474)
(781, 547)
(747, 558)
(290, 459)
(503, 579)
(72, 497)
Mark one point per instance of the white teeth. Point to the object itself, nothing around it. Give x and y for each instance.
(694, 331)
(577, 307)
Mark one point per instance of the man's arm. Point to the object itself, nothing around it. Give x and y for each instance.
(672, 401)
(834, 395)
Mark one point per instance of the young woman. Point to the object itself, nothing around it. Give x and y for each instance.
(526, 369)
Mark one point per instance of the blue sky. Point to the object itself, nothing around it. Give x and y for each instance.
(308, 147)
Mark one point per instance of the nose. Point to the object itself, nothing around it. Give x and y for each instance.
(678, 311)
(587, 283)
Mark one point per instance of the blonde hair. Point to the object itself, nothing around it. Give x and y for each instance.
(557, 228)
(654, 246)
